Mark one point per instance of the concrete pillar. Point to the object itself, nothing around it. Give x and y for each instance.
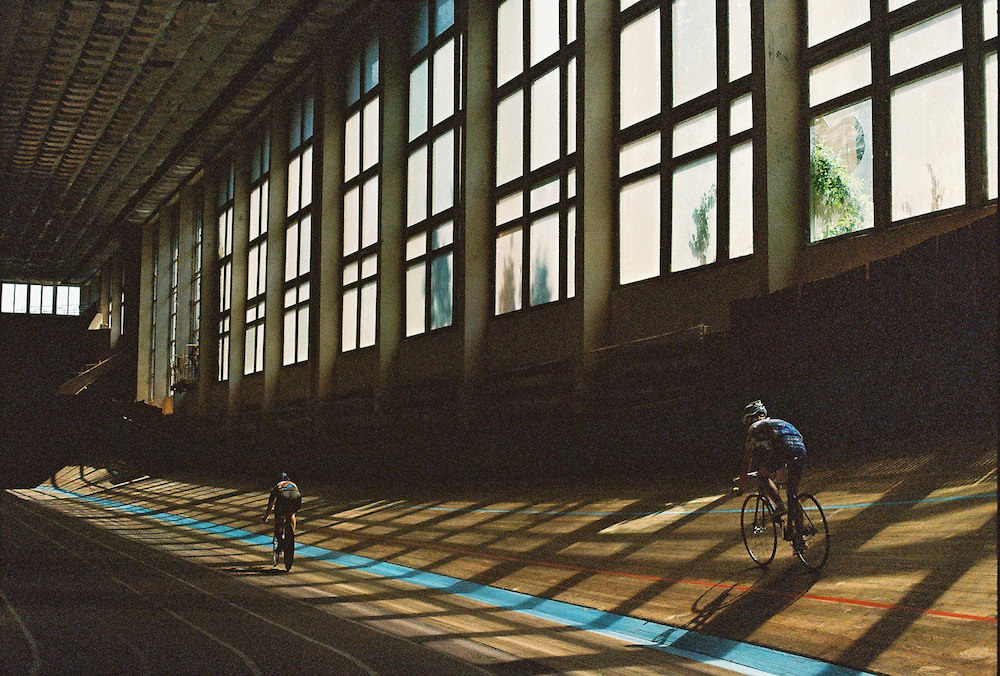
(787, 196)
(597, 205)
(479, 176)
(115, 267)
(395, 97)
(331, 213)
(277, 201)
(208, 363)
(241, 232)
(167, 222)
(104, 296)
(146, 256)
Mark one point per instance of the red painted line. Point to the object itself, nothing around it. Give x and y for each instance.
(657, 578)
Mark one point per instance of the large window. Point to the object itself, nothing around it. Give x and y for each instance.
(890, 115)
(298, 231)
(992, 85)
(225, 224)
(260, 173)
(197, 232)
(434, 165)
(154, 310)
(685, 110)
(362, 164)
(20, 298)
(536, 153)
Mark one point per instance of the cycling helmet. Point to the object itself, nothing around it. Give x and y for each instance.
(752, 410)
(283, 477)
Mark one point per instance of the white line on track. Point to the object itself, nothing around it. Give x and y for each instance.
(36, 656)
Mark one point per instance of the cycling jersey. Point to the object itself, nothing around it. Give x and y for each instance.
(286, 498)
(775, 443)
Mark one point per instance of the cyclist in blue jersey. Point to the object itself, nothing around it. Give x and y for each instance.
(773, 445)
(285, 499)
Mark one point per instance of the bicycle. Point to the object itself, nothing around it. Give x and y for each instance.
(760, 529)
(283, 545)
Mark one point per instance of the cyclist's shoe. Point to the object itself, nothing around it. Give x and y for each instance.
(799, 543)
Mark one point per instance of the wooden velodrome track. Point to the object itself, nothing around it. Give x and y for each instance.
(619, 583)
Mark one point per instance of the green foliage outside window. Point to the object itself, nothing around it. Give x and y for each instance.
(834, 192)
(702, 237)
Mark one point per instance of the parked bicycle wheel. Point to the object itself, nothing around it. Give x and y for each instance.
(288, 543)
(815, 532)
(760, 534)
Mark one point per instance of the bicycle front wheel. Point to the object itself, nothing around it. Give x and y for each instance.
(760, 534)
(815, 532)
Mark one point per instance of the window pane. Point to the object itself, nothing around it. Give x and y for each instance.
(639, 231)
(416, 186)
(252, 272)
(927, 40)
(352, 220)
(295, 127)
(254, 214)
(545, 119)
(639, 154)
(571, 253)
(35, 299)
(509, 208)
(693, 219)
(441, 291)
(741, 201)
(828, 18)
(896, 4)
(508, 272)
(291, 251)
(991, 121)
(305, 244)
(7, 298)
(695, 133)
(352, 146)
(418, 100)
(544, 29)
(443, 235)
(368, 315)
(306, 178)
(369, 266)
(443, 192)
(350, 273)
(415, 285)
(293, 185)
(371, 65)
(444, 17)
(250, 350)
(416, 246)
(444, 82)
(841, 172)
(741, 115)
(694, 49)
(928, 145)
(349, 340)
(510, 142)
(640, 70)
(571, 106)
(302, 345)
(288, 339)
(840, 76)
(509, 35)
(369, 213)
(62, 300)
(989, 19)
(740, 54)
(545, 195)
(544, 260)
(419, 28)
(369, 150)
(260, 347)
(74, 300)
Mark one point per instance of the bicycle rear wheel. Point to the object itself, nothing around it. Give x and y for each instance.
(275, 550)
(289, 546)
(760, 534)
(815, 532)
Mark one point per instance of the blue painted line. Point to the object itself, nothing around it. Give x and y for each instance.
(742, 658)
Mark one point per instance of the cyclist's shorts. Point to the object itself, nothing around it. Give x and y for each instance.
(287, 502)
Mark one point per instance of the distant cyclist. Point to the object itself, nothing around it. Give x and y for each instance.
(285, 499)
(773, 445)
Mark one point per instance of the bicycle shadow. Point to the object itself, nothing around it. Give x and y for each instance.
(254, 569)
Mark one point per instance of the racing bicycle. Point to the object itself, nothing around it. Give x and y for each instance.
(760, 528)
(283, 544)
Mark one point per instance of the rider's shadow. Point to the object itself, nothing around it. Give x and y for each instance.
(255, 569)
(736, 610)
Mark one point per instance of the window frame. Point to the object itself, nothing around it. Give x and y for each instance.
(225, 211)
(259, 183)
(299, 288)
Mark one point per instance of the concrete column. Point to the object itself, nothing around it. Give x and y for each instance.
(597, 206)
(167, 222)
(146, 256)
(208, 362)
(104, 296)
(788, 198)
(241, 232)
(115, 266)
(395, 96)
(277, 201)
(331, 211)
(185, 239)
(479, 176)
